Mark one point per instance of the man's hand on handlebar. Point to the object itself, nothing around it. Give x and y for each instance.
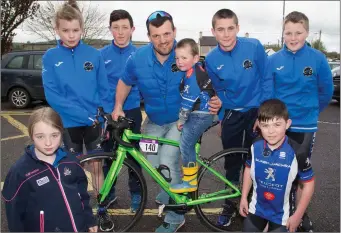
(117, 113)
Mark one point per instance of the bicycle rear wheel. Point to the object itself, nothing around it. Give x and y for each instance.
(119, 211)
(209, 183)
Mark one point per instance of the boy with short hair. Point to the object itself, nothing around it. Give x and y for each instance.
(194, 115)
(115, 55)
(303, 81)
(272, 166)
(237, 68)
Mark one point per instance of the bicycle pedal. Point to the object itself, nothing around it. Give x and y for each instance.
(160, 210)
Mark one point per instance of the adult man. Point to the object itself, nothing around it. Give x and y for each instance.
(115, 56)
(152, 68)
(236, 67)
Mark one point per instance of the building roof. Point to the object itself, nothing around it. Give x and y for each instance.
(208, 41)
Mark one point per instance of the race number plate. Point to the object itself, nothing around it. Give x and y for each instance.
(149, 145)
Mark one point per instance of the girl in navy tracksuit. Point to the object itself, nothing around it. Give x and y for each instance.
(46, 190)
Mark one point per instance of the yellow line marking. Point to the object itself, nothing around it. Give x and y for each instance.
(20, 126)
(14, 137)
(88, 175)
(116, 212)
(16, 113)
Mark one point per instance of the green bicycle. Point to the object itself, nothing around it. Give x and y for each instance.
(207, 201)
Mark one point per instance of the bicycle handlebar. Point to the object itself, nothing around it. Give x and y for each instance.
(121, 124)
(118, 126)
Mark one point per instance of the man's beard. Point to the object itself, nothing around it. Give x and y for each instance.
(162, 53)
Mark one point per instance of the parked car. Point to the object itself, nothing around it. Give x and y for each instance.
(334, 64)
(336, 82)
(21, 80)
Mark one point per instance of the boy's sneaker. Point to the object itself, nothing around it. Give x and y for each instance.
(306, 225)
(135, 201)
(225, 218)
(168, 227)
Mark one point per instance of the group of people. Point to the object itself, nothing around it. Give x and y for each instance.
(278, 98)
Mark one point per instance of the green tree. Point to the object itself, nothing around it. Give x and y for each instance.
(13, 13)
(319, 45)
(333, 55)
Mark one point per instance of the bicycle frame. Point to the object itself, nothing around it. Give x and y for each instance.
(147, 166)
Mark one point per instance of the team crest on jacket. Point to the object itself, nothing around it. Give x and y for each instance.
(247, 64)
(88, 66)
(307, 71)
(174, 68)
(67, 171)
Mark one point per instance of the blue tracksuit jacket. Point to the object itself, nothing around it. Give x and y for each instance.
(115, 59)
(238, 76)
(76, 83)
(303, 81)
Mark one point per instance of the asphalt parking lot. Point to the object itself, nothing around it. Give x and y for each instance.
(324, 210)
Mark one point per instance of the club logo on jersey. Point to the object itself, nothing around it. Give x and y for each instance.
(67, 171)
(307, 71)
(271, 173)
(269, 196)
(88, 66)
(247, 64)
(174, 68)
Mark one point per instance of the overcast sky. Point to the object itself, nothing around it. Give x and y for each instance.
(262, 20)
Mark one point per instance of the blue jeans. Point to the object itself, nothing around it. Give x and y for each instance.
(193, 128)
(169, 156)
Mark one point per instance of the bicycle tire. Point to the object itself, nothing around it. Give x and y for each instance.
(199, 209)
(131, 167)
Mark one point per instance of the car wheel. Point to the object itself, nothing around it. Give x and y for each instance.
(19, 98)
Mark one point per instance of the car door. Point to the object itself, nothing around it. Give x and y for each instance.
(12, 73)
(34, 71)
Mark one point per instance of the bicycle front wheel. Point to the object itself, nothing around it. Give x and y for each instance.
(209, 183)
(118, 204)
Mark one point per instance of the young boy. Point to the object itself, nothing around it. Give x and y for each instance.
(115, 56)
(237, 69)
(272, 167)
(303, 81)
(194, 117)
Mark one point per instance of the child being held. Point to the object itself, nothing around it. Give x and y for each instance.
(194, 116)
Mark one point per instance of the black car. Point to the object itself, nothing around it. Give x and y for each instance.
(21, 80)
(336, 82)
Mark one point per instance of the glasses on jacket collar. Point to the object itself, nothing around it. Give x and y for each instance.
(158, 14)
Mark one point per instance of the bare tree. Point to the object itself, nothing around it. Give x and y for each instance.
(13, 13)
(43, 23)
